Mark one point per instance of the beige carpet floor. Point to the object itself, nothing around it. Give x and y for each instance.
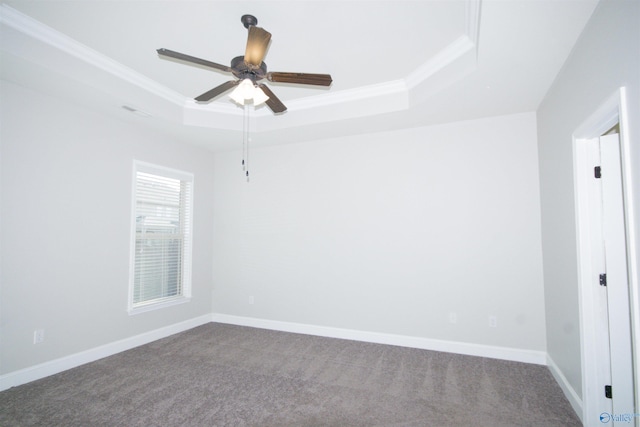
(224, 375)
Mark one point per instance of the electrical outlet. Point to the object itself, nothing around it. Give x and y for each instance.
(251, 299)
(38, 336)
(493, 322)
(453, 317)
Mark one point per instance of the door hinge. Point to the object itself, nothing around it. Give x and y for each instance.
(603, 280)
(607, 392)
(597, 172)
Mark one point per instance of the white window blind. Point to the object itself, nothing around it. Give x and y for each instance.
(162, 247)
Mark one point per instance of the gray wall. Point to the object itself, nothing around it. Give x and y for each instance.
(606, 57)
(66, 221)
(389, 233)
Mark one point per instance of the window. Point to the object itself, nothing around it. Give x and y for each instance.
(161, 237)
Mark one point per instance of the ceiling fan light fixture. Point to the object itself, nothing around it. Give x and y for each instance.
(237, 97)
(259, 97)
(242, 92)
(245, 91)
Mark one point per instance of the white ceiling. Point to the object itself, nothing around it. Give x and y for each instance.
(394, 63)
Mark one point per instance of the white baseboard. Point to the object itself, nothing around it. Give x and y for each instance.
(494, 352)
(567, 389)
(46, 369)
(42, 370)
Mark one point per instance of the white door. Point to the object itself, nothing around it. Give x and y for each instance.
(617, 284)
(599, 314)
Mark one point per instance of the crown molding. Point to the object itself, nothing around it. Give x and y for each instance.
(441, 70)
(214, 115)
(36, 30)
(472, 20)
(350, 95)
(213, 107)
(341, 105)
(456, 50)
(443, 59)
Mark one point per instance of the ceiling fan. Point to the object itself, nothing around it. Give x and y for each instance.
(250, 69)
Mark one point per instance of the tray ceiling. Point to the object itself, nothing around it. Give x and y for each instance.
(394, 63)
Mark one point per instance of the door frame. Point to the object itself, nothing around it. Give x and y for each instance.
(611, 112)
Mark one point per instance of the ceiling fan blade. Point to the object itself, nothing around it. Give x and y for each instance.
(301, 78)
(273, 102)
(192, 59)
(218, 90)
(257, 44)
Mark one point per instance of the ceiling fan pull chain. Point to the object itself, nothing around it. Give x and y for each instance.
(246, 130)
(243, 120)
(248, 138)
(244, 138)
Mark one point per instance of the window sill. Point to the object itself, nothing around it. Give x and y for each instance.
(158, 305)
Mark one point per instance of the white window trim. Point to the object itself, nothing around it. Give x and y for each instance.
(139, 166)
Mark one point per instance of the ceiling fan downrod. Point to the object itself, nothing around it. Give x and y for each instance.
(249, 21)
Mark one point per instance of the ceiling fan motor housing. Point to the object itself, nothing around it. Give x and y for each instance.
(242, 70)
